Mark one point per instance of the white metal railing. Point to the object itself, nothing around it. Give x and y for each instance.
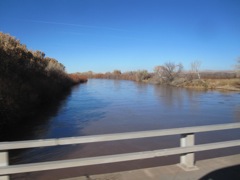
(186, 150)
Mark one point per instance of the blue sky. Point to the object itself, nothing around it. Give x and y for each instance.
(103, 35)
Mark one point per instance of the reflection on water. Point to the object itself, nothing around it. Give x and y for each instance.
(110, 106)
(36, 127)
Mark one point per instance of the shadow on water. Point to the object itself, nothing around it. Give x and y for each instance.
(64, 118)
(36, 125)
(33, 128)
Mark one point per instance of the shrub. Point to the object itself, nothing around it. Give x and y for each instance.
(142, 75)
(28, 79)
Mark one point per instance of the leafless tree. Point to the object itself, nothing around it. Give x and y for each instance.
(158, 70)
(237, 66)
(195, 66)
(168, 71)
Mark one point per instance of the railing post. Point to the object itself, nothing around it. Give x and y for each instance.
(187, 161)
(3, 162)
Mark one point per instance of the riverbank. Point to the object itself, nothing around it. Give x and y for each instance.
(217, 84)
(206, 84)
(28, 81)
(221, 80)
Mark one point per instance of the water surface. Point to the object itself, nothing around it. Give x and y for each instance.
(112, 106)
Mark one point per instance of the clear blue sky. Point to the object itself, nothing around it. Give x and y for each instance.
(103, 35)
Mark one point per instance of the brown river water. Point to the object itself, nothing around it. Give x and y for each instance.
(113, 106)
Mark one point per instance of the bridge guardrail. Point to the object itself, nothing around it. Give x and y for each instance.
(186, 150)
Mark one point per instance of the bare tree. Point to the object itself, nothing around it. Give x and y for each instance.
(158, 70)
(195, 66)
(237, 66)
(168, 71)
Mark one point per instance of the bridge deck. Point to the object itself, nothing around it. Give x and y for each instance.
(227, 167)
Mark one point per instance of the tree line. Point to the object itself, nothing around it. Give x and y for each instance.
(173, 74)
(166, 74)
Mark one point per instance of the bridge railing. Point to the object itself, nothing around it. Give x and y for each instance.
(186, 150)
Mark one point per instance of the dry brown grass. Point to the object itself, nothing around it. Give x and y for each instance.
(78, 78)
(232, 84)
(226, 84)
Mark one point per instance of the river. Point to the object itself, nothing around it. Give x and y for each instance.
(112, 106)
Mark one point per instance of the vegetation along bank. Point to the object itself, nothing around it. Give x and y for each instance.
(175, 75)
(28, 80)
